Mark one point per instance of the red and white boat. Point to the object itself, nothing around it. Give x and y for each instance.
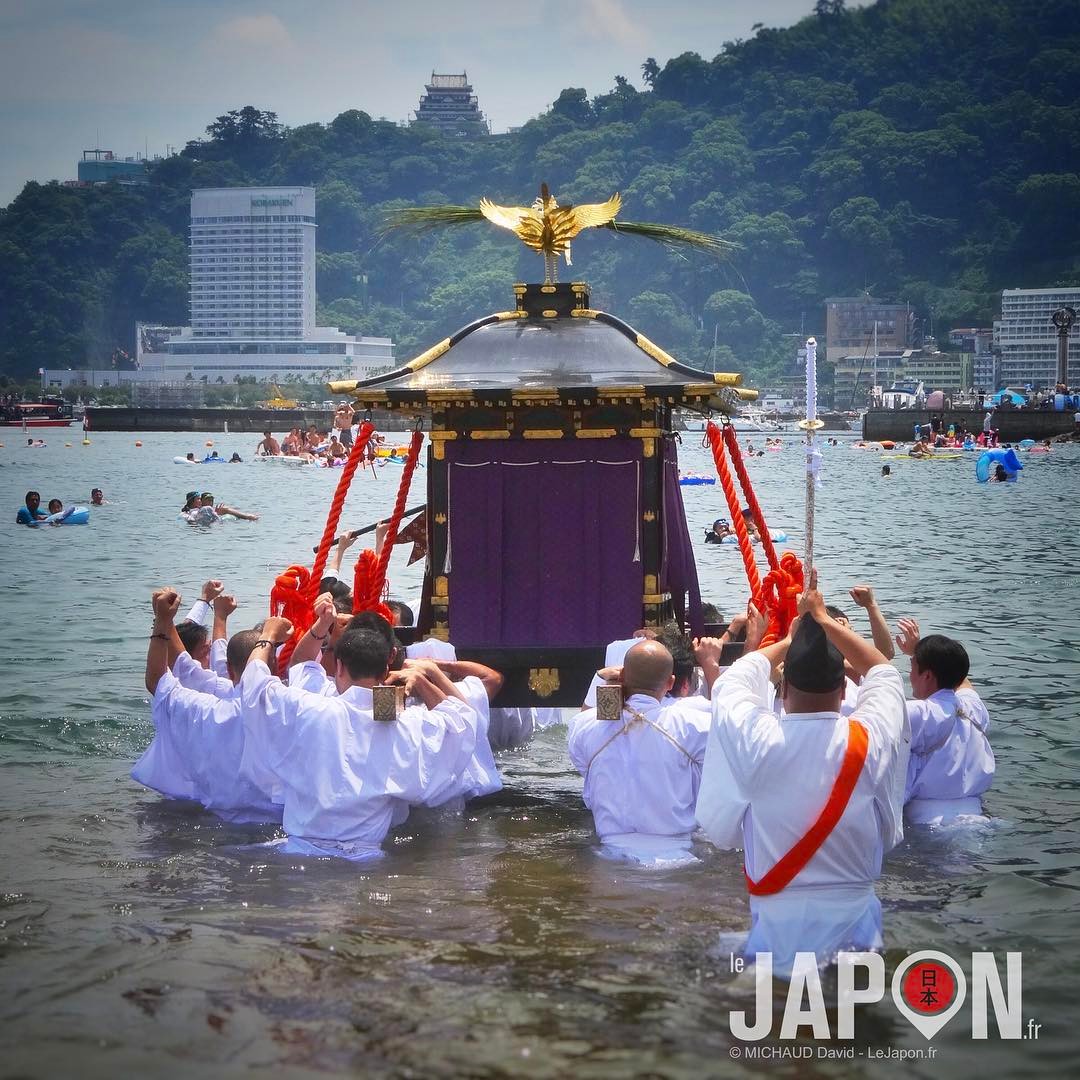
(48, 412)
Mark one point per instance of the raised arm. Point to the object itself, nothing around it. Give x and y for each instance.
(164, 645)
(337, 554)
(275, 632)
(224, 606)
(863, 595)
(310, 646)
(202, 607)
(861, 654)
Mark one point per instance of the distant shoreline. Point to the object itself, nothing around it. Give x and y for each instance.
(128, 418)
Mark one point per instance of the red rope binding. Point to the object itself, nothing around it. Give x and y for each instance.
(742, 534)
(731, 440)
(294, 591)
(369, 580)
(776, 597)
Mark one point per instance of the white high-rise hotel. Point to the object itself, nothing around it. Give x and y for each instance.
(1026, 340)
(253, 296)
(253, 263)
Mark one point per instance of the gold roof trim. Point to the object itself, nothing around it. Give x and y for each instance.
(426, 358)
(539, 393)
(620, 391)
(448, 395)
(727, 378)
(654, 350)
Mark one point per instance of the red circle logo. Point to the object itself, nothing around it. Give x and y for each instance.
(929, 987)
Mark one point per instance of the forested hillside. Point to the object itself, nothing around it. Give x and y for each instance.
(927, 150)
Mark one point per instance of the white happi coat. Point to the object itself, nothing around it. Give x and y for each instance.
(345, 778)
(642, 777)
(767, 779)
(503, 728)
(952, 762)
(480, 776)
(202, 752)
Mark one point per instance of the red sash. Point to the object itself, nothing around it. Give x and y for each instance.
(786, 868)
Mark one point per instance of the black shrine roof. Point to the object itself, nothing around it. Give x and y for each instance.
(554, 344)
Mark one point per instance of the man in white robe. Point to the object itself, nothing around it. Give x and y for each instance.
(642, 771)
(768, 780)
(475, 683)
(344, 776)
(199, 750)
(952, 763)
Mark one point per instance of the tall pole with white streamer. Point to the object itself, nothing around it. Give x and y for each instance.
(813, 453)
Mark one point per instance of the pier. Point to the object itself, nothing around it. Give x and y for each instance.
(1012, 424)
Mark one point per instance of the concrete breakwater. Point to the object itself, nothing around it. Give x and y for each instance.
(1012, 424)
(248, 420)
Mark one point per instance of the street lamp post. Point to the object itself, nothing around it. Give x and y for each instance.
(1063, 319)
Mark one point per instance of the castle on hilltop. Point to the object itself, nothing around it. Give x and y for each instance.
(450, 105)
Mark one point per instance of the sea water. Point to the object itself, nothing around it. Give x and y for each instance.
(144, 938)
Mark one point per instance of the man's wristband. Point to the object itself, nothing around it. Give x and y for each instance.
(266, 641)
(159, 637)
(324, 638)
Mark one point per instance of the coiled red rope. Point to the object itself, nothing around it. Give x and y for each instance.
(776, 597)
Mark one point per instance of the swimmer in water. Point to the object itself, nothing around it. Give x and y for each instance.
(720, 529)
(220, 510)
(31, 513)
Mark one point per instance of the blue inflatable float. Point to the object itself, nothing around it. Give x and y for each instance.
(989, 460)
(691, 481)
(74, 515)
(775, 535)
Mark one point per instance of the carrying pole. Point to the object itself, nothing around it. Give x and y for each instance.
(811, 425)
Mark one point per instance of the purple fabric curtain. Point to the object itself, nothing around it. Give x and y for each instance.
(678, 571)
(544, 542)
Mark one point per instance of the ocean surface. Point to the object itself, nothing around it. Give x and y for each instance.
(142, 938)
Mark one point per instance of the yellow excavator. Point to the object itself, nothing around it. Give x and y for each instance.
(277, 401)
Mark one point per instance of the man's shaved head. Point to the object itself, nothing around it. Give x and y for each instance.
(647, 670)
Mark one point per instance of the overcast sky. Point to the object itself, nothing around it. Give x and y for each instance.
(136, 76)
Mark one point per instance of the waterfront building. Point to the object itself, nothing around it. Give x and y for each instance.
(979, 342)
(949, 372)
(253, 296)
(103, 166)
(1025, 339)
(853, 376)
(850, 321)
(252, 303)
(449, 104)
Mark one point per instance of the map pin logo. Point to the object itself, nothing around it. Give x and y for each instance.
(929, 988)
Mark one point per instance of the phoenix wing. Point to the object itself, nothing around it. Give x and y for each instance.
(524, 221)
(567, 221)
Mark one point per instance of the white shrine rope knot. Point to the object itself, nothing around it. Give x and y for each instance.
(635, 719)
